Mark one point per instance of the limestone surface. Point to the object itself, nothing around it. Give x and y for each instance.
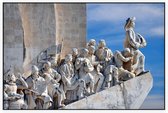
(31, 28)
(13, 38)
(128, 95)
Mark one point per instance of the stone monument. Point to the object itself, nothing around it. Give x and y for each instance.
(30, 29)
(47, 43)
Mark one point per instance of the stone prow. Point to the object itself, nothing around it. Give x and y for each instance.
(128, 95)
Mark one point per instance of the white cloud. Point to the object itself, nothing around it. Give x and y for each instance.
(149, 17)
(158, 31)
(153, 102)
(116, 12)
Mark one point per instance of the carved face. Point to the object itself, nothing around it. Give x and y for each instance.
(102, 44)
(35, 75)
(47, 65)
(84, 52)
(91, 49)
(68, 58)
(10, 78)
(132, 24)
(92, 42)
(35, 71)
(53, 62)
(74, 52)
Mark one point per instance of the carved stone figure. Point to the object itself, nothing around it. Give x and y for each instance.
(85, 68)
(21, 86)
(44, 57)
(53, 60)
(111, 76)
(77, 76)
(54, 90)
(98, 76)
(70, 79)
(37, 93)
(48, 69)
(134, 41)
(92, 42)
(53, 77)
(75, 55)
(120, 58)
(104, 54)
(12, 98)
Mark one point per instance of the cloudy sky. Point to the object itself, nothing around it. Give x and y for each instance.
(106, 21)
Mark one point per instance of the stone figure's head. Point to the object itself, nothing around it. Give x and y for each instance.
(84, 52)
(35, 71)
(102, 43)
(78, 61)
(91, 49)
(53, 60)
(92, 42)
(74, 51)
(99, 67)
(130, 22)
(68, 58)
(45, 75)
(47, 65)
(10, 77)
(127, 52)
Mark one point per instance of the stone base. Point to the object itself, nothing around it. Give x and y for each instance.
(128, 95)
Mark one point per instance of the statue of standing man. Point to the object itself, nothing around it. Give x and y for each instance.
(134, 41)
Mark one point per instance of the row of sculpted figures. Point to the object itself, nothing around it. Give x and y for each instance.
(82, 73)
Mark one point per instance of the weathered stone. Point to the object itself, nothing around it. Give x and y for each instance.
(32, 28)
(42, 34)
(136, 90)
(71, 27)
(13, 38)
(127, 95)
(39, 29)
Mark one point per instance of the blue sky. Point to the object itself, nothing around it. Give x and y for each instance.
(106, 21)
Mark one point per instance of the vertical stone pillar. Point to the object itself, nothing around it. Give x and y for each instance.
(13, 38)
(71, 26)
(39, 30)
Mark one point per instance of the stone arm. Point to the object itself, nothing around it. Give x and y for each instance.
(62, 70)
(6, 97)
(108, 54)
(143, 41)
(95, 63)
(57, 76)
(23, 84)
(78, 64)
(121, 57)
(88, 67)
(5, 94)
(50, 80)
(131, 40)
(31, 85)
